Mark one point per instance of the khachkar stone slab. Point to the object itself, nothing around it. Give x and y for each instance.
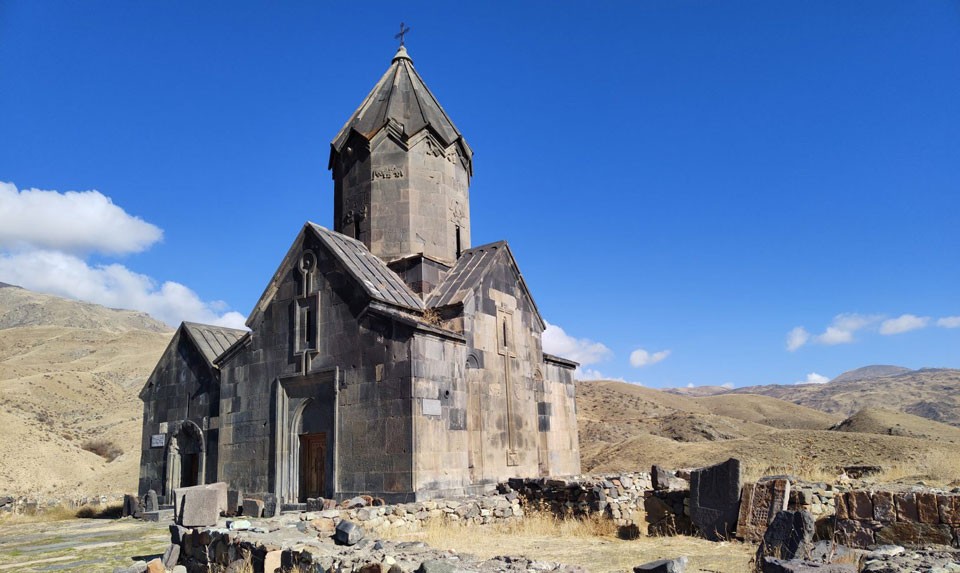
(200, 505)
(715, 499)
(759, 504)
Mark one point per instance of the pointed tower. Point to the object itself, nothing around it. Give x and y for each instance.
(401, 173)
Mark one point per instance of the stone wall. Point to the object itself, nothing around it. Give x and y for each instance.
(619, 497)
(911, 518)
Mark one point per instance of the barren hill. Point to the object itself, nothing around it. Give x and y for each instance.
(69, 374)
(932, 393)
(623, 426)
(894, 423)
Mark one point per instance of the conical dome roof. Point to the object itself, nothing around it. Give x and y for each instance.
(401, 96)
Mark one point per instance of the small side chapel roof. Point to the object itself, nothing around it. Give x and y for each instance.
(212, 341)
(401, 96)
(469, 271)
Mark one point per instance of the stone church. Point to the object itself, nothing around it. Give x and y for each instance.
(387, 356)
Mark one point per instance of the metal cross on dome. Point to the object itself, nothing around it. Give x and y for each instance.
(403, 30)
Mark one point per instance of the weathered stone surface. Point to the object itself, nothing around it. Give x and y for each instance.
(252, 508)
(854, 533)
(177, 532)
(949, 506)
(788, 536)
(150, 501)
(131, 506)
(760, 502)
(271, 562)
(914, 534)
(715, 499)
(774, 565)
(437, 566)
(677, 565)
(348, 533)
(198, 506)
(159, 515)
(883, 508)
(859, 505)
(171, 556)
(906, 504)
(660, 477)
(927, 511)
(842, 512)
(156, 566)
(234, 502)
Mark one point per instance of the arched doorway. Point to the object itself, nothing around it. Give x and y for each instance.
(312, 442)
(185, 458)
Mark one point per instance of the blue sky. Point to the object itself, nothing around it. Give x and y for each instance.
(693, 180)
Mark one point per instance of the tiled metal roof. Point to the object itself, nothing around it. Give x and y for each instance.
(401, 96)
(212, 341)
(377, 279)
(464, 276)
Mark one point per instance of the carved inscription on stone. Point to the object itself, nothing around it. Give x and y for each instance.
(758, 506)
(392, 172)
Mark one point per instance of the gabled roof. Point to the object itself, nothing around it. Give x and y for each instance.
(401, 96)
(469, 271)
(212, 341)
(371, 273)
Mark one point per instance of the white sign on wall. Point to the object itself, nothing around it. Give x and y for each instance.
(158, 440)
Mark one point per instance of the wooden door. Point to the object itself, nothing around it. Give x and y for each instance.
(313, 456)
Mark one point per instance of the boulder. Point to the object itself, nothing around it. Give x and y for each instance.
(156, 566)
(348, 533)
(171, 556)
(253, 508)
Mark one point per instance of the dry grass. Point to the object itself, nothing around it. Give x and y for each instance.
(106, 449)
(63, 513)
(591, 543)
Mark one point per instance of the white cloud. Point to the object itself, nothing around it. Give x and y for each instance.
(949, 322)
(45, 235)
(640, 357)
(111, 285)
(72, 222)
(903, 323)
(691, 385)
(582, 350)
(843, 327)
(814, 378)
(797, 338)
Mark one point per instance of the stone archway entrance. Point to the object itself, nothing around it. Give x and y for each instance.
(186, 458)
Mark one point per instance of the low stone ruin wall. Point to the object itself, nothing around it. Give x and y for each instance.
(817, 498)
(412, 516)
(865, 518)
(32, 505)
(618, 497)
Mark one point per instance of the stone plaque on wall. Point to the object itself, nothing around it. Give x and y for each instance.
(158, 440)
(431, 407)
(758, 506)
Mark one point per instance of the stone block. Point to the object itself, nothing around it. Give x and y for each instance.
(914, 534)
(177, 533)
(156, 566)
(949, 506)
(234, 501)
(131, 506)
(660, 477)
(788, 536)
(906, 504)
(348, 533)
(759, 503)
(715, 499)
(271, 561)
(927, 511)
(853, 533)
(159, 515)
(883, 508)
(198, 506)
(678, 565)
(150, 502)
(859, 505)
(252, 508)
(171, 556)
(840, 507)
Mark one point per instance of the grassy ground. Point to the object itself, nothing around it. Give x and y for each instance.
(78, 545)
(590, 544)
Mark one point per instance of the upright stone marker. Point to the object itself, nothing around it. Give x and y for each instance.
(715, 499)
(150, 501)
(758, 505)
